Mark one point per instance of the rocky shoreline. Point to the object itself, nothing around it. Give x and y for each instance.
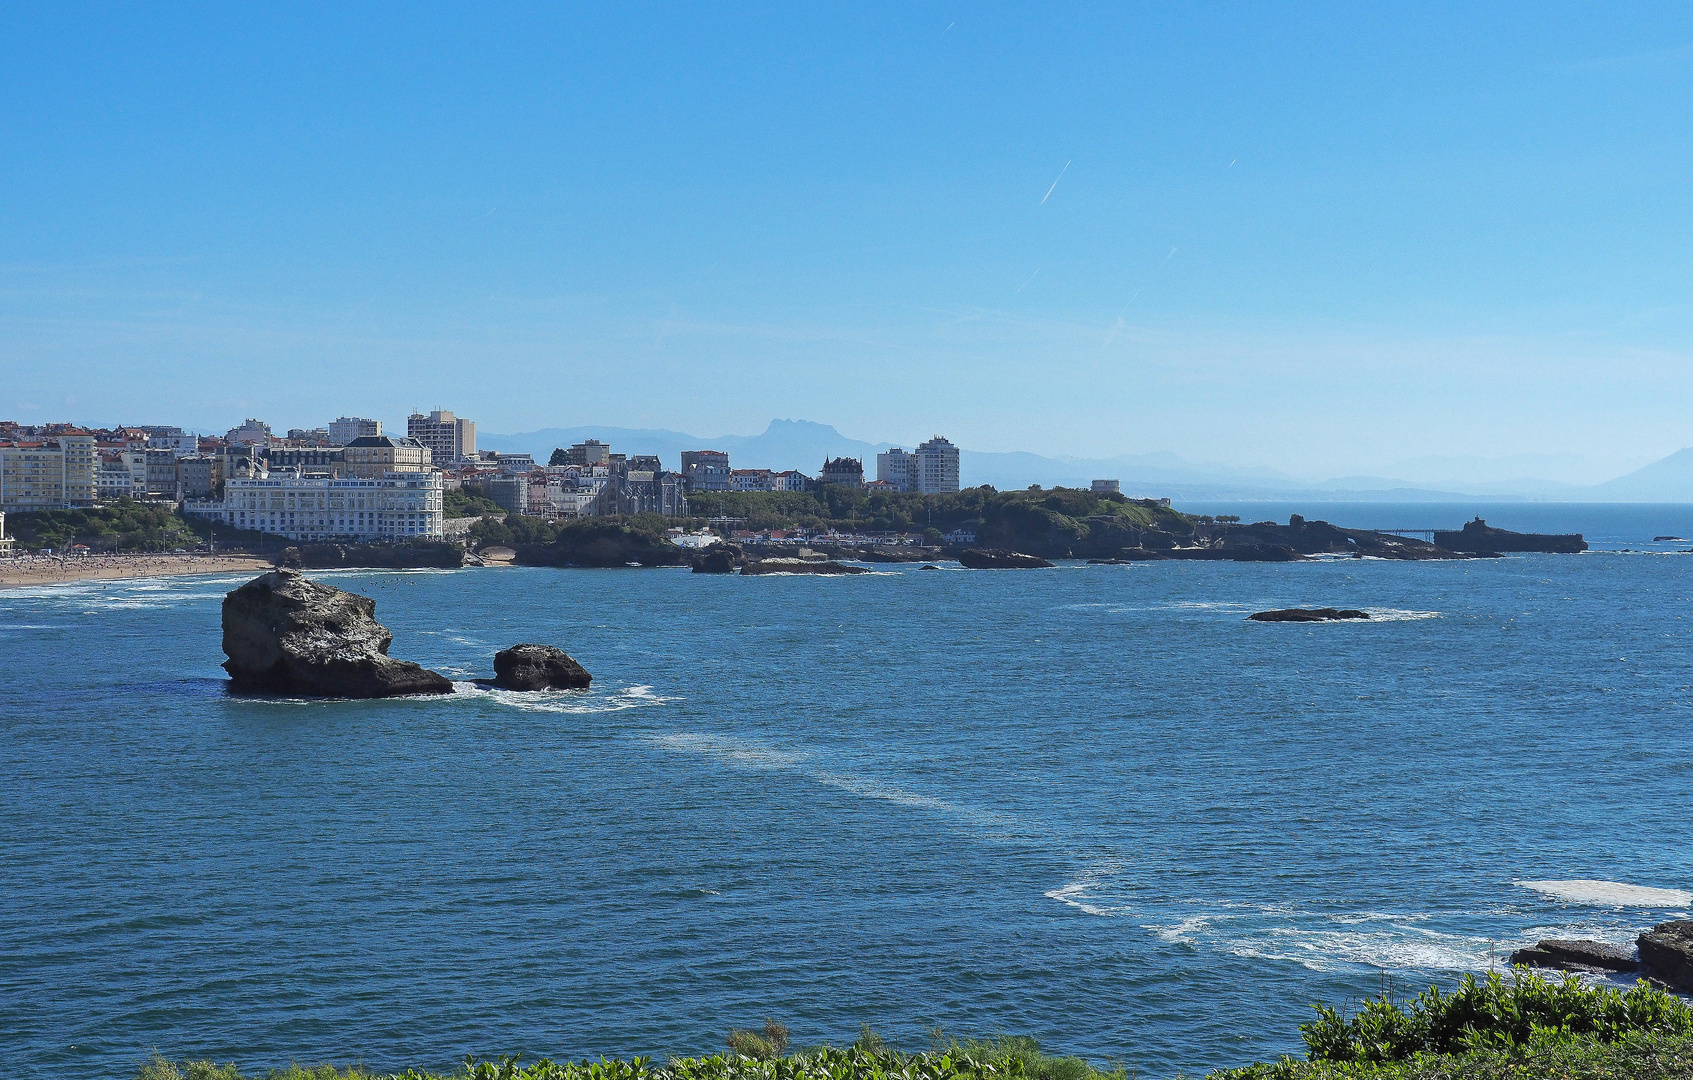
(1664, 954)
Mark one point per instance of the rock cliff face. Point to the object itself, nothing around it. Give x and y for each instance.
(1481, 538)
(1667, 952)
(1577, 956)
(284, 634)
(538, 667)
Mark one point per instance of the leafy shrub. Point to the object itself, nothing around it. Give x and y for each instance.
(772, 1044)
(1493, 1015)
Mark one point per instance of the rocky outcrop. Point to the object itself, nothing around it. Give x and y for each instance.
(537, 667)
(1321, 614)
(1481, 538)
(999, 559)
(716, 559)
(602, 542)
(1587, 956)
(1667, 952)
(284, 634)
(799, 566)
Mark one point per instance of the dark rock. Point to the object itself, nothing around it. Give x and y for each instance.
(799, 566)
(1539, 958)
(443, 554)
(1591, 956)
(929, 567)
(1480, 537)
(717, 559)
(1322, 614)
(538, 667)
(1666, 950)
(284, 634)
(999, 559)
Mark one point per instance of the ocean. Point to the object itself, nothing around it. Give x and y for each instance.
(1093, 804)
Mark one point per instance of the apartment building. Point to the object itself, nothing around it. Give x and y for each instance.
(936, 466)
(56, 473)
(397, 507)
(344, 429)
(895, 466)
(447, 437)
(706, 470)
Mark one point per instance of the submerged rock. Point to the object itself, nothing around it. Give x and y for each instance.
(284, 634)
(1578, 956)
(999, 559)
(1667, 952)
(799, 566)
(538, 667)
(1320, 614)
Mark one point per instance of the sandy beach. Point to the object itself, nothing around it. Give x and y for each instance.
(52, 569)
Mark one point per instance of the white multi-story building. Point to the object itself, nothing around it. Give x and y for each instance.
(936, 466)
(344, 429)
(54, 474)
(396, 507)
(448, 437)
(250, 433)
(895, 466)
(5, 541)
(752, 480)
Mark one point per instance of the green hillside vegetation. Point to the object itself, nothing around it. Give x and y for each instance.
(1056, 521)
(461, 504)
(1519, 1027)
(123, 526)
(600, 541)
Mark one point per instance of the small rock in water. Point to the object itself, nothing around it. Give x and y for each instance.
(1321, 614)
(537, 667)
(999, 559)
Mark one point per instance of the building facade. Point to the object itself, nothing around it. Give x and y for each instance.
(344, 429)
(706, 470)
(896, 467)
(1106, 487)
(52, 474)
(842, 472)
(372, 456)
(936, 466)
(448, 437)
(395, 508)
(251, 433)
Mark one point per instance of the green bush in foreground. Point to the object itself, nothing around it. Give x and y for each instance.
(1498, 1028)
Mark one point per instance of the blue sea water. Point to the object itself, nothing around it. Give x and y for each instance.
(1092, 804)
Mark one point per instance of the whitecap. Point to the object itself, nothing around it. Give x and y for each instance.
(1382, 614)
(1599, 893)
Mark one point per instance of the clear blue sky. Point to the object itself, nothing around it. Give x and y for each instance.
(1314, 237)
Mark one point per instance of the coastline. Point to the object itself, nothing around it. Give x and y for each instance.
(26, 570)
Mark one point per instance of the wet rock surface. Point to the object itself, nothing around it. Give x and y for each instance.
(1578, 956)
(284, 634)
(799, 566)
(1324, 614)
(537, 667)
(1667, 952)
(999, 559)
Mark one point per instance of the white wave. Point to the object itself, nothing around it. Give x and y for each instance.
(874, 789)
(1384, 614)
(1329, 941)
(1075, 893)
(562, 701)
(1610, 893)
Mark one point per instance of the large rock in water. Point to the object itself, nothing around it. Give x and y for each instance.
(538, 667)
(1577, 956)
(999, 559)
(1667, 952)
(284, 634)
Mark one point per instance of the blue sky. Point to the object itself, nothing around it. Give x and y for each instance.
(1319, 238)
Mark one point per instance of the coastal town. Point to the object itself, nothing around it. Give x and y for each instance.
(350, 480)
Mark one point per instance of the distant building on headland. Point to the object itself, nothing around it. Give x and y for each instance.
(706, 470)
(1107, 487)
(448, 437)
(929, 470)
(842, 472)
(344, 429)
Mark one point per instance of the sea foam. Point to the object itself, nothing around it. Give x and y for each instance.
(1610, 893)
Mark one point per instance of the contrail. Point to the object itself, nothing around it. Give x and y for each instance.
(1231, 164)
(1025, 284)
(1054, 186)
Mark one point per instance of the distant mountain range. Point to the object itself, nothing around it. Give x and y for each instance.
(803, 445)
